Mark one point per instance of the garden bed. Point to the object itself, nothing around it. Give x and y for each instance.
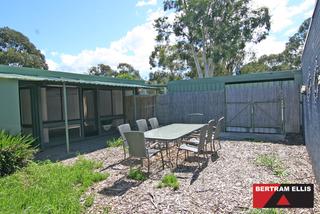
(222, 185)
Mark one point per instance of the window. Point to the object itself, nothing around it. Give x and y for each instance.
(117, 102)
(73, 103)
(25, 107)
(105, 104)
(52, 104)
(51, 100)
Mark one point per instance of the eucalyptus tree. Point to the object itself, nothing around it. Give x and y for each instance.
(209, 36)
(17, 50)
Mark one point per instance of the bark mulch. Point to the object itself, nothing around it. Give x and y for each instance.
(223, 184)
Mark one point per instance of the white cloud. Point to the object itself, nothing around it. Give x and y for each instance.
(54, 53)
(52, 65)
(134, 48)
(268, 46)
(282, 13)
(142, 3)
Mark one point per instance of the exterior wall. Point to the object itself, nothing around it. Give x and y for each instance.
(9, 106)
(311, 101)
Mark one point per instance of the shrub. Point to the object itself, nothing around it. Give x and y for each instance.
(115, 142)
(169, 180)
(88, 201)
(137, 174)
(273, 163)
(16, 151)
(49, 187)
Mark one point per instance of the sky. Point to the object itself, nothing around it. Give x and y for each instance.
(77, 34)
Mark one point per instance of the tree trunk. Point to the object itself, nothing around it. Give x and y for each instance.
(196, 61)
(204, 54)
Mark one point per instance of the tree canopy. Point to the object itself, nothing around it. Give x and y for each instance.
(17, 50)
(289, 59)
(207, 37)
(124, 71)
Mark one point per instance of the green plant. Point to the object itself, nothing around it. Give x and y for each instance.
(16, 151)
(88, 201)
(137, 174)
(47, 187)
(169, 180)
(115, 142)
(273, 163)
(106, 210)
(265, 211)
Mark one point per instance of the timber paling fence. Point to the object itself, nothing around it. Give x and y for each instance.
(262, 107)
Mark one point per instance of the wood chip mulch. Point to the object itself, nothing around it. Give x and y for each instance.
(222, 185)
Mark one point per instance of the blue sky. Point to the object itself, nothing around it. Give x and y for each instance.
(76, 34)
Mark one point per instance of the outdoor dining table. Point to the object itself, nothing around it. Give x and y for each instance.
(172, 132)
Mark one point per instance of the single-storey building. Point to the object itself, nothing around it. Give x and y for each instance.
(43, 103)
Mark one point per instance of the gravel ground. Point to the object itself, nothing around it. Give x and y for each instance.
(222, 185)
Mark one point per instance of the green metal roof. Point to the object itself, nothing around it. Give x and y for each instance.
(218, 83)
(33, 74)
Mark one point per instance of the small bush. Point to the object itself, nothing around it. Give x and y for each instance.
(15, 152)
(273, 163)
(88, 201)
(115, 142)
(169, 180)
(137, 174)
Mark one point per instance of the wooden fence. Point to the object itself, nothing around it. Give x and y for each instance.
(269, 107)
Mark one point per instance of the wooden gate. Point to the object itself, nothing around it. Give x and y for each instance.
(255, 107)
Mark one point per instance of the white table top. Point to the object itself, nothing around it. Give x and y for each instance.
(172, 131)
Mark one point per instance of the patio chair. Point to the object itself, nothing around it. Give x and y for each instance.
(197, 149)
(142, 125)
(123, 129)
(194, 138)
(216, 134)
(137, 147)
(154, 122)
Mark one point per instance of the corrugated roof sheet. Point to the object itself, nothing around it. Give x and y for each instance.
(218, 83)
(32, 74)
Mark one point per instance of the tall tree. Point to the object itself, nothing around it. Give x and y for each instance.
(124, 71)
(289, 59)
(17, 50)
(127, 71)
(102, 70)
(162, 77)
(213, 33)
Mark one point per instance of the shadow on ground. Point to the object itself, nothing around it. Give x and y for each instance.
(120, 187)
(59, 152)
(195, 169)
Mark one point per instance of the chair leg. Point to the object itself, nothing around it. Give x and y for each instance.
(177, 156)
(198, 157)
(166, 148)
(124, 152)
(219, 144)
(148, 165)
(162, 159)
(214, 146)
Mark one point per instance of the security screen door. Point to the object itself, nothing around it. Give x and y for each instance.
(90, 112)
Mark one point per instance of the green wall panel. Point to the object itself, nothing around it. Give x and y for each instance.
(9, 106)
